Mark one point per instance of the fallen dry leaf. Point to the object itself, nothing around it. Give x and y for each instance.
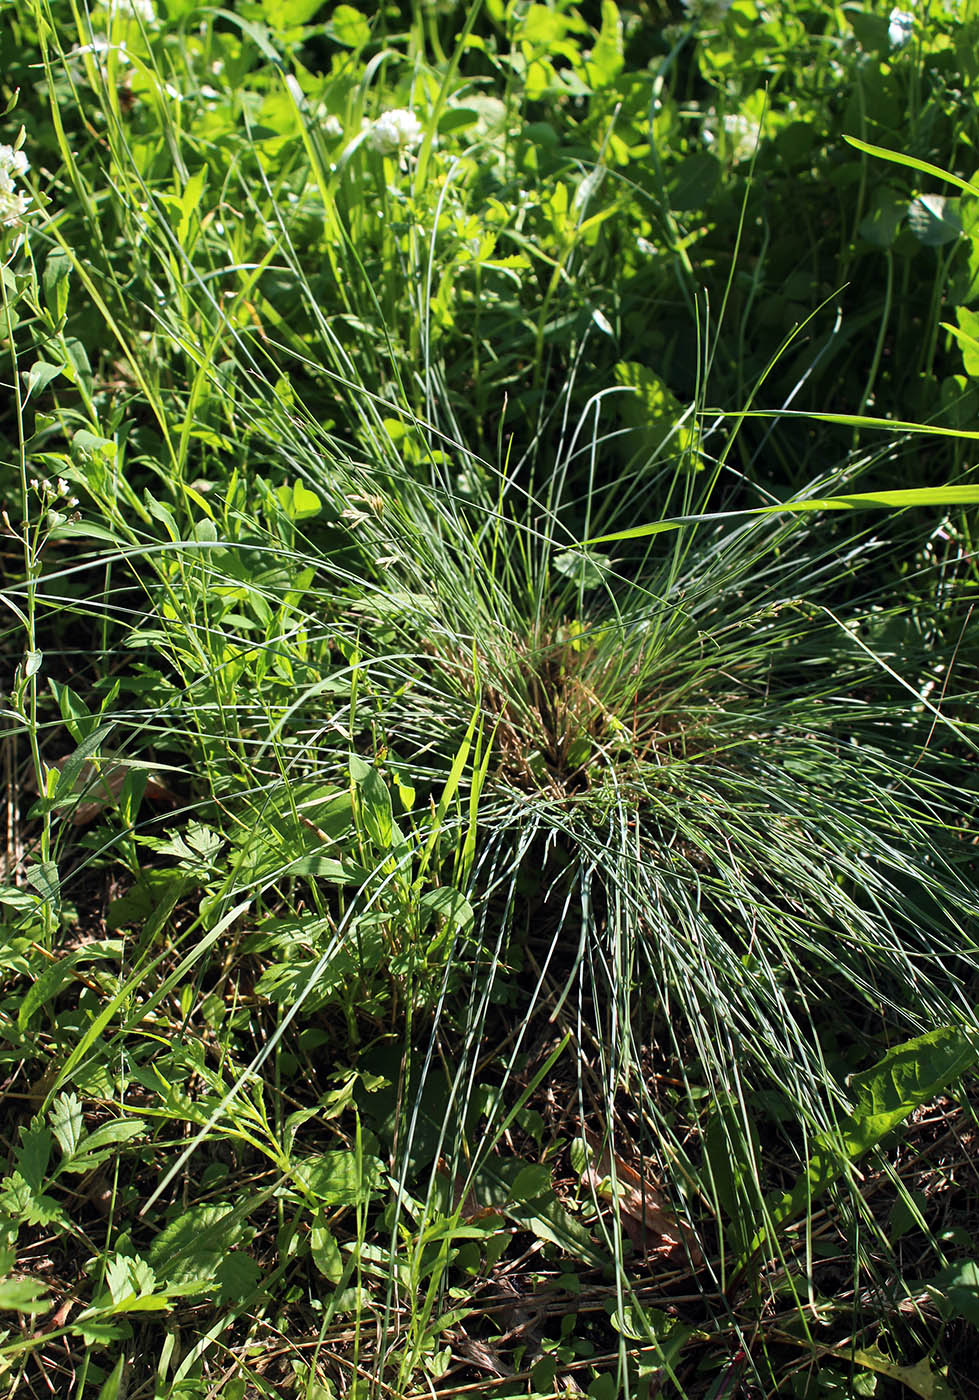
(646, 1218)
(99, 788)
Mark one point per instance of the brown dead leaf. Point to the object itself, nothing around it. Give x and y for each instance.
(645, 1215)
(99, 787)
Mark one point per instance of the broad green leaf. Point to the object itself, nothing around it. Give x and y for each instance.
(34, 1153)
(882, 225)
(934, 220)
(187, 1254)
(694, 181)
(921, 1378)
(607, 57)
(23, 1295)
(967, 334)
(956, 1291)
(375, 802)
(325, 1251)
(582, 567)
(446, 903)
(349, 27)
(286, 14)
(909, 1075)
(337, 1178)
(40, 375)
(71, 769)
(66, 1122)
(57, 269)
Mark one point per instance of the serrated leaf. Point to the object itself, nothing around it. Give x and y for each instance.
(129, 1277)
(34, 1153)
(67, 1123)
(237, 1276)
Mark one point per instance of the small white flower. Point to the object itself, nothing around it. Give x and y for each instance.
(13, 206)
(12, 162)
(900, 27)
(332, 127)
(72, 502)
(63, 487)
(395, 132)
(35, 484)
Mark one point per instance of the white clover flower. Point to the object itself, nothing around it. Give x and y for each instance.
(900, 27)
(741, 135)
(706, 11)
(395, 132)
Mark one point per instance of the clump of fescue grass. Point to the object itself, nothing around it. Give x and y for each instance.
(703, 803)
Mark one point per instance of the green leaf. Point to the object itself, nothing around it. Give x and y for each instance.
(67, 1124)
(40, 375)
(881, 226)
(607, 57)
(375, 802)
(348, 27)
(44, 989)
(325, 1251)
(23, 1295)
(446, 903)
(34, 1153)
(337, 1178)
(113, 1382)
(694, 181)
(237, 1276)
(934, 220)
(188, 1253)
(98, 1146)
(582, 567)
(956, 1291)
(128, 1277)
(71, 769)
(967, 334)
(57, 268)
(892, 500)
(929, 1384)
(909, 1075)
(298, 502)
(923, 166)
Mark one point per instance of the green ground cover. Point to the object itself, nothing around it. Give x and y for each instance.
(489, 682)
